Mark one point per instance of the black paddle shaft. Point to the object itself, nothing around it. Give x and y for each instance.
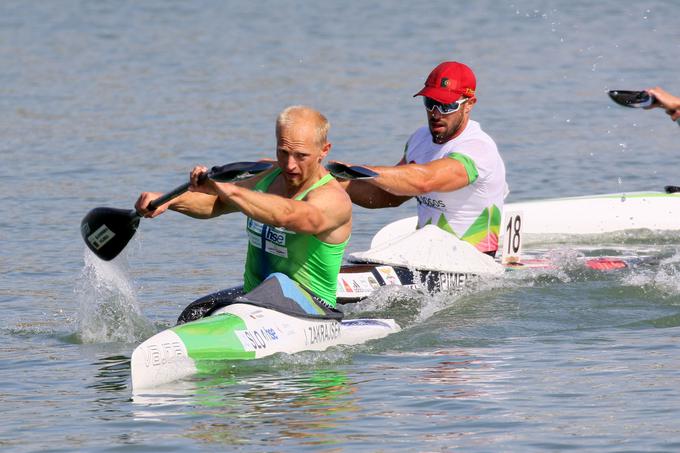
(107, 231)
(351, 172)
(233, 172)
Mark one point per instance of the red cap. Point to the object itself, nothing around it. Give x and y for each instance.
(448, 82)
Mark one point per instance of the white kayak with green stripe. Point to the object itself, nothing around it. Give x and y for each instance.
(242, 331)
(230, 325)
(592, 214)
(597, 214)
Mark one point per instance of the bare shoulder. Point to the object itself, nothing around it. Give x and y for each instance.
(335, 207)
(331, 194)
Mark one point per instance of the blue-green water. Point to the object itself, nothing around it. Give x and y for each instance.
(100, 100)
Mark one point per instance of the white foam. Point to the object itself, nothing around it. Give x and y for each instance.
(108, 307)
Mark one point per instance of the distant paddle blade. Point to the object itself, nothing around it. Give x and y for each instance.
(238, 171)
(633, 99)
(107, 231)
(351, 172)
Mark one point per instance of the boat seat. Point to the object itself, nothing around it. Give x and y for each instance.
(277, 292)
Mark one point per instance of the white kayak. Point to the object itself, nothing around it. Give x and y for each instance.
(593, 214)
(239, 332)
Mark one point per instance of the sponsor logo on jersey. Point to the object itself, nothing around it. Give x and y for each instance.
(431, 202)
(276, 236)
(254, 226)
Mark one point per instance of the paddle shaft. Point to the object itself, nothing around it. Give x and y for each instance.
(350, 172)
(176, 192)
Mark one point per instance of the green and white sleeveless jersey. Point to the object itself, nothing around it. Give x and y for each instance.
(304, 258)
(472, 213)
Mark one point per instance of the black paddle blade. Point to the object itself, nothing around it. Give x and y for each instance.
(343, 171)
(107, 231)
(237, 171)
(633, 99)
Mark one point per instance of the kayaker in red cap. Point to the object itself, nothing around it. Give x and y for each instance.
(452, 167)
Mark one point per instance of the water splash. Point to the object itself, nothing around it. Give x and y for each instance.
(108, 308)
(410, 307)
(663, 279)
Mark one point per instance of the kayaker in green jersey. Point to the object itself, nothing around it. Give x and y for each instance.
(299, 218)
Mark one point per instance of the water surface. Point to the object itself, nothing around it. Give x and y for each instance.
(100, 100)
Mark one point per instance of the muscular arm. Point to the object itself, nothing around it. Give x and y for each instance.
(193, 204)
(326, 212)
(441, 175)
(370, 196)
(394, 185)
(200, 205)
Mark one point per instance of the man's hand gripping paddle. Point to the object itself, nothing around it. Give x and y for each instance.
(633, 99)
(107, 231)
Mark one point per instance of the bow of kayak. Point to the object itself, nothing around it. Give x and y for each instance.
(239, 332)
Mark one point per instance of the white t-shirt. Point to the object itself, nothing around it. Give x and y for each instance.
(472, 213)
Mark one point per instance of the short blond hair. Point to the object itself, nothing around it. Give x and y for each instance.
(301, 112)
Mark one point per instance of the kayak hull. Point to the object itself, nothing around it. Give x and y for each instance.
(241, 332)
(359, 281)
(594, 214)
(599, 213)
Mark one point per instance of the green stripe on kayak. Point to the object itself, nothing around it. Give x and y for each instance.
(214, 338)
(641, 195)
(630, 195)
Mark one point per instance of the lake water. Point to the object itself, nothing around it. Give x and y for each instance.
(100, 100)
